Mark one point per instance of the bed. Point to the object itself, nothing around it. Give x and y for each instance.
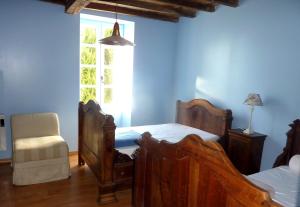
(113, 167)
(198, 117)
(281, 182)
(198, 173)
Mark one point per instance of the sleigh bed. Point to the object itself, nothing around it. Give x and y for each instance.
(113, 169)
(198, 173)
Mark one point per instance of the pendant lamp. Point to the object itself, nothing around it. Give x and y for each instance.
(115, 38)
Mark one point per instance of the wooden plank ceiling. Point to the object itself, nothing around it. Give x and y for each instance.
(167, 10)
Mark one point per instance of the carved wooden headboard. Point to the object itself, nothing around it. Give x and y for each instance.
(292, 145)
(96, 138)
(191, 173)
(201, 114)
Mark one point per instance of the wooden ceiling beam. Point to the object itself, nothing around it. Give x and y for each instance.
(168, 10)
(204, 5)
(135, 11)
(232, 3)
(153, 5)
(75, 6)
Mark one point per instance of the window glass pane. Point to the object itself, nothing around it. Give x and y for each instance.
(107, 95)
(122, 29)
(108, 56)
(87, 94)
(88, 55)
(108, 32)
(88, 76)
(107, 29)
(88, 35)
(107, 76)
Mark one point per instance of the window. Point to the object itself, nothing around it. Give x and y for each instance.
(106, 71)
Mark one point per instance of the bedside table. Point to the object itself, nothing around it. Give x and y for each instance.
(245, 150)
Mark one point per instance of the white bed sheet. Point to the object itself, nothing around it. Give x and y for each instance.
(283, 185)
(172, 132)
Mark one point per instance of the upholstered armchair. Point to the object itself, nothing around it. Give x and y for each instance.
(40, 154)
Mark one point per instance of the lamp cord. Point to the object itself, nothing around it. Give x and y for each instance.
(116, 11)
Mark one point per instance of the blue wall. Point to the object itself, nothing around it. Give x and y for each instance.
(39, 65)
(220, 56)
(223, 56)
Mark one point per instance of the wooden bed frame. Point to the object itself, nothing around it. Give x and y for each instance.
(292, 146)
(201, 114)
(191, 173)
(196, 173)
(114, 170)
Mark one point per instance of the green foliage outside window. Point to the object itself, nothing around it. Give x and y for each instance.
(108, 56)
(87, 94)
(108, 95)
(88, 76)
(107, 76)
(88, 55)
(108, 32)
(88, 35)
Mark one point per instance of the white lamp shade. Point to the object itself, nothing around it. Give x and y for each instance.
(253, 99)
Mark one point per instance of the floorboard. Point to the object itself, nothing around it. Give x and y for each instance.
(78, 191)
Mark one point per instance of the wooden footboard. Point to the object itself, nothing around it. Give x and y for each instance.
(96, 143)
(191, 173)
(292, 146)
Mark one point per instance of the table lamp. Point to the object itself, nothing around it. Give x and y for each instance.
(252, 100)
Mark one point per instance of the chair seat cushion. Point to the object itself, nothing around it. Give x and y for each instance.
(39, 148)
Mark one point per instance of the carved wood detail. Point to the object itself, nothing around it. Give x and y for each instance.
(292, 146)
(201, 114)
(191, 173)
(96, 142)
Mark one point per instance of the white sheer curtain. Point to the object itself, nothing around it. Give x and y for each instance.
(122, 89)
(122, 78)
(122, 71)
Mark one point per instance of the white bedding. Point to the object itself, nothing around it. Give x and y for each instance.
(282, 183)
(172, 132)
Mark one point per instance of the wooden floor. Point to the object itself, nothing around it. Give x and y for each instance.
(78, 191)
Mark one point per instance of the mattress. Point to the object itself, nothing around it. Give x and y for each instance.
(282, 184)
(172, 132)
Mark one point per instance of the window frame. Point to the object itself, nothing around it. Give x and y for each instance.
(101, 24)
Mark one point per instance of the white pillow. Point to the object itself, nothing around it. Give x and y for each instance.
(294, 164)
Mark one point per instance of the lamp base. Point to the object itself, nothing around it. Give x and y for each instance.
(248, 131)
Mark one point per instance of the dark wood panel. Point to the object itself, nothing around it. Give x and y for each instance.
(292, 146)
(98, 129)
(191, 173)
(201, 114)
(245, 151)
